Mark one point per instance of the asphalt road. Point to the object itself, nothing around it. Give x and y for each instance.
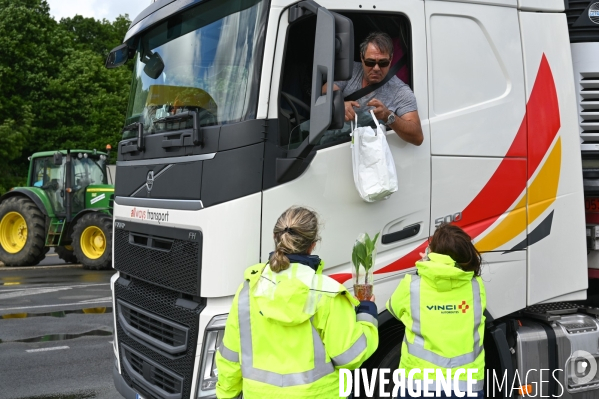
(56, 332)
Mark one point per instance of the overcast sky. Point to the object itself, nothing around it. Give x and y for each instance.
(99, 9)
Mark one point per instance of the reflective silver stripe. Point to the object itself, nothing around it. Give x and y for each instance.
(415, 309)
(478, 311)
(353, 352)
(367, 317)
(390, 309)
(417, 348)
(228, 354)
(321, 366)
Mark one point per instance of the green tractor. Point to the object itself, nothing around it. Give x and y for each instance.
(67, 204)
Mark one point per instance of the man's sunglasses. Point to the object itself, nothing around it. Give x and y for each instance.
(382, 63)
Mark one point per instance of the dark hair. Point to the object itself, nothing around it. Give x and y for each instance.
(295, 231)
(381, 40)
(452, 241)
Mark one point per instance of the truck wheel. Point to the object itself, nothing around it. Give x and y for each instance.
(92, 241)
(22, 232)
(66, 253)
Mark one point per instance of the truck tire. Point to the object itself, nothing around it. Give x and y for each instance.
(66, 253)
(92, 241)
(22, 232)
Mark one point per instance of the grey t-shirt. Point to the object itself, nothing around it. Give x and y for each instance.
(395, 94)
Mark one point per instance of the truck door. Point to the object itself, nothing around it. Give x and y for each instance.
(479, 138)
(326, 183)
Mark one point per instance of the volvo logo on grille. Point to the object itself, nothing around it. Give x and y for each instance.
(150, 180)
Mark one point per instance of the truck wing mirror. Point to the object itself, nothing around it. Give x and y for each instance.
(118, 56)
(334, 43)
(344, 47)
(333, 60)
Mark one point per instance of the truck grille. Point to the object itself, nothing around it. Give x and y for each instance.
(161, 371)
(157, 331)
(162, 380)
(168, 257)
(589, 106)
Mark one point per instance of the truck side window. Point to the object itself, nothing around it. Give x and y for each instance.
(296, 81)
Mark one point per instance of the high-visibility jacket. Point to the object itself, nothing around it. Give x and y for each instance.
(288, 333)
(442, 309)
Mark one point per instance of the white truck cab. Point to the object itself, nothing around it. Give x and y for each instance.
(227, 127)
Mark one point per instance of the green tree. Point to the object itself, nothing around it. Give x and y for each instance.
(97, 36)
(30, 53)
(54, 90)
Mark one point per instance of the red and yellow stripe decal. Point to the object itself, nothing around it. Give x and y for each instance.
(505, 192)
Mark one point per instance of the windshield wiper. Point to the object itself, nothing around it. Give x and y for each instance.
(140, 138)
(197, 134)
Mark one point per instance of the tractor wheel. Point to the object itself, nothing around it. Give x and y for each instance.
(22, 232)
(66, 253)
(92, 241)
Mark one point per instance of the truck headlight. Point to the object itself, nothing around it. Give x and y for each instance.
(213, 337)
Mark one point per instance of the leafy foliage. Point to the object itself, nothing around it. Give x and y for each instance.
(362, 253)
(55, 91)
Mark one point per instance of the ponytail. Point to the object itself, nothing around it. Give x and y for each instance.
(295, 231)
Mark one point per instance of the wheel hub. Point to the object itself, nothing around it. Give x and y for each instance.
(93, 242)
(13, 232)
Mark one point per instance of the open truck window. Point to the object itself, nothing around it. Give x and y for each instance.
(296, 82)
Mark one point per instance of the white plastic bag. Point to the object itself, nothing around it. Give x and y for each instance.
(374, 169)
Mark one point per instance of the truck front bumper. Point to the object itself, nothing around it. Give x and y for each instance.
(125, 390)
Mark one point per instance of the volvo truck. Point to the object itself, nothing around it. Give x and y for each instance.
(227, 126)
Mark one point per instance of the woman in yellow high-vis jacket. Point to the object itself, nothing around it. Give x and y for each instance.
(442, 309)
(290, 328)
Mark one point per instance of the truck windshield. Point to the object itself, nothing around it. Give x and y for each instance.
(203, 60)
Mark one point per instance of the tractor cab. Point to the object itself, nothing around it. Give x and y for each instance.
(49, 172)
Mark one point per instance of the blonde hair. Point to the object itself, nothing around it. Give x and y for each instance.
(295, 231)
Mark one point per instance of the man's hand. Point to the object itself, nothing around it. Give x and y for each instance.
(407, 126)
(350, 114)
(380, 111)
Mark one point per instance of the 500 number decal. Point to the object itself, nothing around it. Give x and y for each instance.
(456, 217)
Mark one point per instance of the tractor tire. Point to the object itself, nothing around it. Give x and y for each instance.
(22, 232)
(92, 241)
(66, 254)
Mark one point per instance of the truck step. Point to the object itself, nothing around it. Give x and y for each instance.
(550, 312)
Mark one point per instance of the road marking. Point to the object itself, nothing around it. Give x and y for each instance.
(44, 290)
(106, 298)
(9, 268)
(54, 305)
(54, 348)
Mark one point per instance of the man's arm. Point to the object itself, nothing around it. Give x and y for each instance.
(407, 126)
(350, 113)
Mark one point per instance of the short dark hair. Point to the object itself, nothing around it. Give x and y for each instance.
(381, 40)
(452, 241)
